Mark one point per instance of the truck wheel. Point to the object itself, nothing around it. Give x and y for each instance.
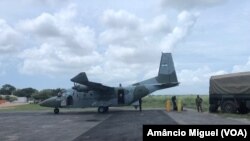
(106, 109)
(212, 108)
(228, 107)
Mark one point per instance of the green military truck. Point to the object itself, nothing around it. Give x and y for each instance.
(230, 93)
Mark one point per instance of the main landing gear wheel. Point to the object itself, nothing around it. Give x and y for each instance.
(56, 110)
(103, 109)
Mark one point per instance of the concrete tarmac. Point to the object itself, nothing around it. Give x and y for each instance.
(46, 126)
(125, 126)
(85, 125)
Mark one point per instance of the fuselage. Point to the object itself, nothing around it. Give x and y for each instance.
(119, 96)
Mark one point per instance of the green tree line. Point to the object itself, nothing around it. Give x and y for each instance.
(29, 92)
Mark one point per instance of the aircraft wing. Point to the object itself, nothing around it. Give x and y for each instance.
(82, 78)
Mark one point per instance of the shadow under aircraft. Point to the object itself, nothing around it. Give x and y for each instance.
(85, 93)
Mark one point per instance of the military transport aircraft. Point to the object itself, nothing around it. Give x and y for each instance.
(85, 93)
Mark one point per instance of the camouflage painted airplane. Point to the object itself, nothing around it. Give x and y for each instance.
(85, 93)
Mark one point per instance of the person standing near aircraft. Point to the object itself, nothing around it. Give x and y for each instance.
(198, 102)
(174, 103)
(140, 101)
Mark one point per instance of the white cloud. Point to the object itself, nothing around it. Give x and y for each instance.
(186, 21)
(200, 77)
(242, 68)
(190, 4)
(134, 44)
(197, 76)
(195, 80)
(44, 26)
(129, 37)
(189, 77)
(124, 28)
(120, 19)
(9, 38)
(61, 45)
(128, 45)
(45, 2)
(160, 25)
(49, 59)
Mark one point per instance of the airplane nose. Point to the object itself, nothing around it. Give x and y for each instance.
(51, 102)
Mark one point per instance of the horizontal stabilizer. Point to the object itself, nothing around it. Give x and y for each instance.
(82, 78)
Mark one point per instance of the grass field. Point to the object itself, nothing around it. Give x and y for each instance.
(158, 101)
(26, 107)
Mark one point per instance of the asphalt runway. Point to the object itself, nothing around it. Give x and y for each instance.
(46, 126)
(125, 126)
(88, 125)
(78, 126)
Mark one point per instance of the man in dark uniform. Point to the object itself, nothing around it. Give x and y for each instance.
(174, 103)
(140, 104)
(198, 102)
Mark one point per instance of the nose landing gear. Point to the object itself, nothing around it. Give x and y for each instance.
(56, 110)
(103, 109)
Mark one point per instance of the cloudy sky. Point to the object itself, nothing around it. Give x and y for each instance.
(44, 43)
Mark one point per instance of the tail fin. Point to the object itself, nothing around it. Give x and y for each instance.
(166, 72)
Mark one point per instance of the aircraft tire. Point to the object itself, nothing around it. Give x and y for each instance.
(135, 107)
(101, 109)
(56, 111)
(106, 109)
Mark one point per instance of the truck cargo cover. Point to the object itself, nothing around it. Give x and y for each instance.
(234, 83)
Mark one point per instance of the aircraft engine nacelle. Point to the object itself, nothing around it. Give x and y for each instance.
(81, 88)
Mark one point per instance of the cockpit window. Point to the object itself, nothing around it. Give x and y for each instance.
(59, 94)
